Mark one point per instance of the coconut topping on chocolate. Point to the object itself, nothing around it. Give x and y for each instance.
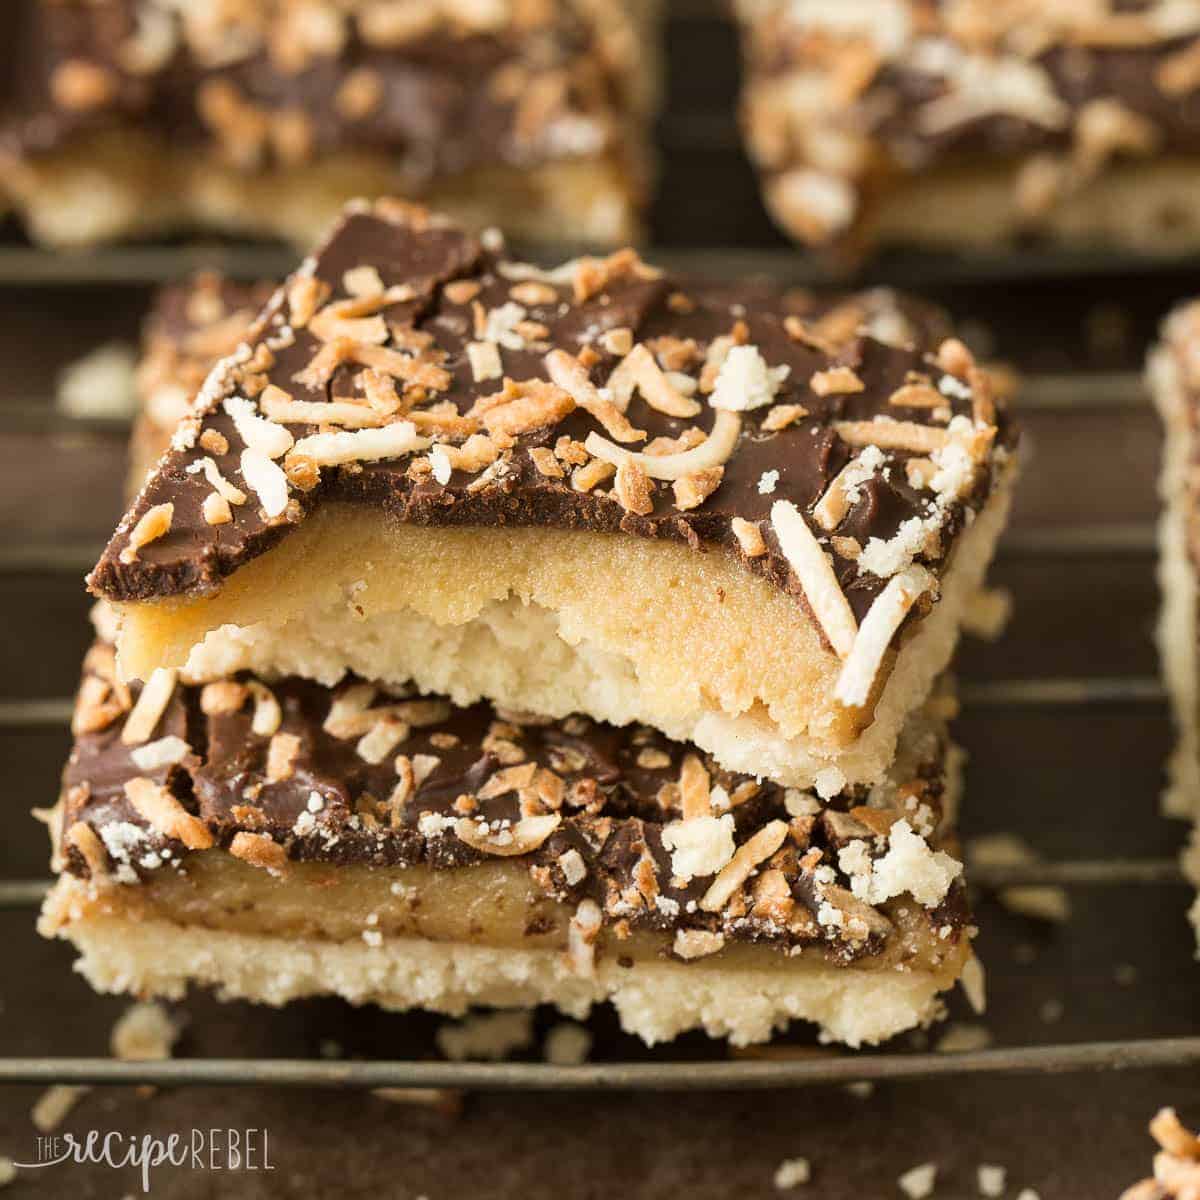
(649, 832)
(413, 369)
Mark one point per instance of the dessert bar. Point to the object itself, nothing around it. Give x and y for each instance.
(282, 839)
(974, 123)
(1174, 372)
(263, 118)
(593, 489)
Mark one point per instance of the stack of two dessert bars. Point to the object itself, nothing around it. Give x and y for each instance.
(495, 635)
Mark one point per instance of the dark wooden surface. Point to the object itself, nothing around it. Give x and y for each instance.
(1076, 782)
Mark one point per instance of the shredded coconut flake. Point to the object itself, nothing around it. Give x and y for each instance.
(573, 867)
(259, 434)
(767, 482)
(439, 460)
(812, 567)
(884, 617)
(362, 445)
(886, 559)
(501, 325)
(699, 846)
(908, 866)
(712, 452)
(745, 381)
(163, 753)
(266, 480)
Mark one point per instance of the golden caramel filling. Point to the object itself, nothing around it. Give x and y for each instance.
(490, 905)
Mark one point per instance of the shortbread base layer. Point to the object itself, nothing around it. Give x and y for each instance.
(621, 628)
(655, 1001)
(123, 185)
(1177, 630)
(1147, 206)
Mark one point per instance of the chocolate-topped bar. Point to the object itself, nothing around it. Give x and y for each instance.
(1174, 377)
(277, 839)
(975, 122)
(593, 489)
(124, 117)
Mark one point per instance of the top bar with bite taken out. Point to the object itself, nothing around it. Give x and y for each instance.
(594, 489)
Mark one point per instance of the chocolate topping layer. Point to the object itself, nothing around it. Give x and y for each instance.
(441, 87)
(354, 776)
(500, 390)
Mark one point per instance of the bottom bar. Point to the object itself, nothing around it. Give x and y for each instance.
(291, 840)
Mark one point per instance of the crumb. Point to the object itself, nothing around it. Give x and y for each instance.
(8, 1171)
(144, 1033)
(960, 1038)
(99, 385)
(988, 613)
(919, 1182)
(54, 1105)
(792, 1172)
(447, 1101)
(1008, 850)
(862, 1089)
(991, 1180)
(489, 1037)
(745, 381)
(567, 1045)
